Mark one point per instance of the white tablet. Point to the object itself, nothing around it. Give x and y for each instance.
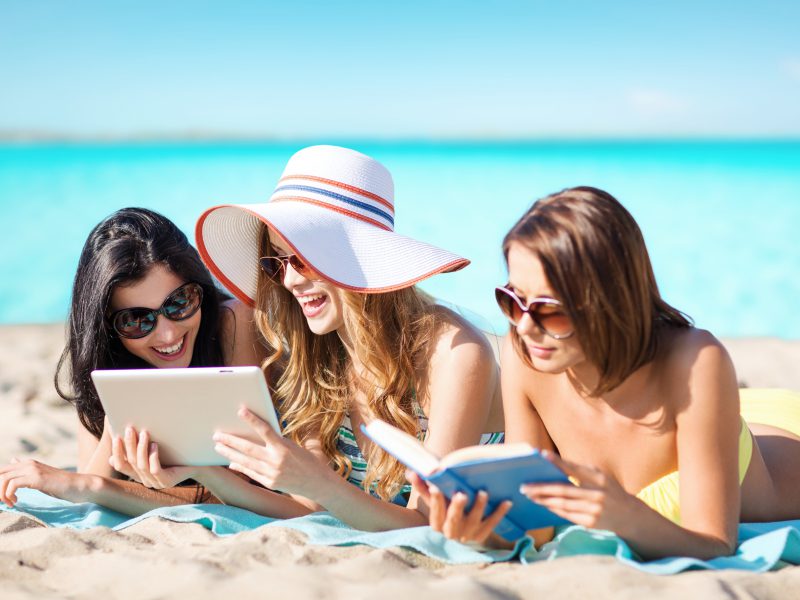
(182, 408)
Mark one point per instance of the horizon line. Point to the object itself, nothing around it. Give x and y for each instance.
(33, 137)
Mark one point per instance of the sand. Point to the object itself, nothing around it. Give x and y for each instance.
(160, 559)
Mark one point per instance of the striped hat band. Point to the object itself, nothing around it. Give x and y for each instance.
(337, 196)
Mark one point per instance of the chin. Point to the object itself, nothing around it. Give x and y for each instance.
(320, 328)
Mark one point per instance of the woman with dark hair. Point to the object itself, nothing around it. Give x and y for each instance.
(639, 407)
(141, 298)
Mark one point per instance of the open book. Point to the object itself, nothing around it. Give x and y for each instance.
(498, 469)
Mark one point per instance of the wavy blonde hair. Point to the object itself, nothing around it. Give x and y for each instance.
(312, 376)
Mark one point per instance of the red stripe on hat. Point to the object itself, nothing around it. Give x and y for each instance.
(343, 186)
(343, 211)
(455, 265)
(212, 266)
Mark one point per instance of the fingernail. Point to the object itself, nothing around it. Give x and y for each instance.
(482, 495)
(128, 432)
(152, 446)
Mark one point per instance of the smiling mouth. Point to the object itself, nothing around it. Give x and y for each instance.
(172, 350)
(312, 304)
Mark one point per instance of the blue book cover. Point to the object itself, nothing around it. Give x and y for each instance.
(499, 470)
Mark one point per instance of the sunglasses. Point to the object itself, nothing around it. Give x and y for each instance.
(547, 313)
(275, 267)
(182, 303)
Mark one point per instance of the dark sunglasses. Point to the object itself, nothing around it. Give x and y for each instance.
(182, 303)
(546, 313)
(275, 267)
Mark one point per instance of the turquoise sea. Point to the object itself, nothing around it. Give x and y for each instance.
(721, 218)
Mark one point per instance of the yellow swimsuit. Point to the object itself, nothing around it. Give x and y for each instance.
(778, 408)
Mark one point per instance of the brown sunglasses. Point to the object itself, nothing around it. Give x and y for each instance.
(546, 313)
(275, 267)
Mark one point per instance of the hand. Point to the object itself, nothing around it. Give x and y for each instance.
(278, 463)
(451, 520)
(137, 457)
(33, 474)
(597, 502)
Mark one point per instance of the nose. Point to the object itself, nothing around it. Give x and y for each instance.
(166, 331)
(526, 326)
(291, 278)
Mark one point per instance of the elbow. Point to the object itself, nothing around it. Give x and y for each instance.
(717, 547)
(728, 546)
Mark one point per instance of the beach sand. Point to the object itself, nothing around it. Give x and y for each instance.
(158, 559)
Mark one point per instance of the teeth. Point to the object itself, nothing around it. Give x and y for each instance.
(171, 349)
(307, 299)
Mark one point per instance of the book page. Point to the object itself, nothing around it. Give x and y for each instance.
(489, 451)
(404, 447)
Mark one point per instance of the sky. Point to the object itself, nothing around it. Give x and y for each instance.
(411, 69)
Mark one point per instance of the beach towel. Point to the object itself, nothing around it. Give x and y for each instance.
(762, 546)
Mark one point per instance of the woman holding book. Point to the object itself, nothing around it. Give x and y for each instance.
(333, 289)
(639, 407)
(141, 298)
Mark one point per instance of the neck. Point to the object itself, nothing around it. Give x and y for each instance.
(349, 347)
(584, 377)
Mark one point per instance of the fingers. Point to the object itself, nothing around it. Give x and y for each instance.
(12, 480)
(539, 492)
(472, 520)
(455, 516)
(243, 460)
(586, 476)
(438, 508)
(419, 486)
(142, 452)
(262, 428)
(5, 478)
(250, 473)
(239, 444)
(492, 521)
(153, 460)
(11, 490)
(130, 440)
(118, 458)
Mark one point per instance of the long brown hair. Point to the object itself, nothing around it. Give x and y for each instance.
(596, 261)
(391, 333)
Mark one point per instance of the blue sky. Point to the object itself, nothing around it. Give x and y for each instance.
(401, 69)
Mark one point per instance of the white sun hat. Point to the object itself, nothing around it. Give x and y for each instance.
(334, 207)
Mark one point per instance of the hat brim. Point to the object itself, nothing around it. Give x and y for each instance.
(348, 253)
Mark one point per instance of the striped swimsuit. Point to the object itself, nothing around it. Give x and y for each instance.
(347, 445)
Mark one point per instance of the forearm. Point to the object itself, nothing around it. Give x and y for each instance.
(653, 536)
(360, 510)
(128, 497)
(231, 489)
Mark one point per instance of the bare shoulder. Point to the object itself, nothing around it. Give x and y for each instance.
(699, 370)
(240, 340)
(235, 311)
(693, 350)
(457, 341)
(517, 374)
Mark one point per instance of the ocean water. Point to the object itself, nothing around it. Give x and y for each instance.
(721, 219)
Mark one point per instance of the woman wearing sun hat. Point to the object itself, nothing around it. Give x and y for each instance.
(332, 285)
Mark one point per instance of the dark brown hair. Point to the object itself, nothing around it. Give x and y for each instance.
(120, 251)
(595, 259)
